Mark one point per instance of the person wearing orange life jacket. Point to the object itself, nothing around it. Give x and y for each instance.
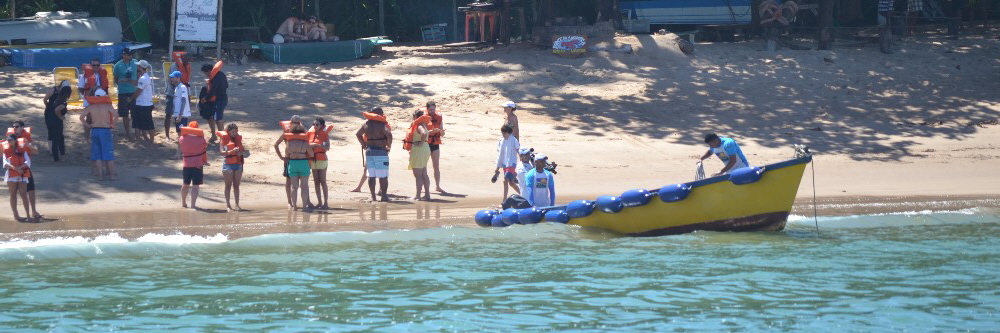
(182, 63)
(375, 137)
(94, 76)
(218, 86)
(420, 153)
(233, 152)
(286, 127)
(102, 118)
(193, 148)
(17, 167)
(435, 132)
(23, 134)
(319, 140)
(297, 154)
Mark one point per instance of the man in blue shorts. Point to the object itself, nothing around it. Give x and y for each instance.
(102, 144)
(727, 150)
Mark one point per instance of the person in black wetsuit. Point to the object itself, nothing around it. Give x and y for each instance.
(55, 113)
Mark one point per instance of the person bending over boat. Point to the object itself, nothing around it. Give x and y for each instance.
(540, 184)
(727, 150)
(507, 149)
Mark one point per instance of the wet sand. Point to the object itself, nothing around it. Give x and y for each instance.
(364, 217)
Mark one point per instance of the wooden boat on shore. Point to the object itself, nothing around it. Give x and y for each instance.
(747, 199)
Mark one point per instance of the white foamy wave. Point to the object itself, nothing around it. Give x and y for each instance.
(112, 238)
(809, 218)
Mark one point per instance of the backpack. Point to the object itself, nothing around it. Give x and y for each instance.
(515, 201)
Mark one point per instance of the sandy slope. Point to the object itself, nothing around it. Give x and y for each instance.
(919, 122)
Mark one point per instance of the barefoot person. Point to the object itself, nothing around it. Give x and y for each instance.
(510, 118)
(297, 154)
(233, 153)
(286, 127)
(507, 156)
(126, 73)
(193, 149)
(55, 115)
(375, 137)
(23, 134)
(142, 104)
(435, 132)
(319, 140)
(102, 118)
(416, 143)
(17, 165)
(218, 87)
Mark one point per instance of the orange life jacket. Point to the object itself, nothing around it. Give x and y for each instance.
(183, 67)
(296, 136)
(286, 125)
(192, 129)
(377, 117)
(208, 83)
(435, 123)
(408, 142)
(318, 138)
(25, 133)
(91, 79)
(16, 157)
(229, 143)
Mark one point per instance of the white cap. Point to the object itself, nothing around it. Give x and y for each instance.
(100, 92)
(508, 104)
(540, 157)
(144, 64)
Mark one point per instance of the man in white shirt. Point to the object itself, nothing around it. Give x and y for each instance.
(182, 103)
(142, 114)
(507, 159)
(524, 166)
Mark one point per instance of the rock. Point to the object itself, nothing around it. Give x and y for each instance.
(828, 59)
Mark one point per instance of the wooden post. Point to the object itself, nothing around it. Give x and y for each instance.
(13, 9)
(173, 28)
(454, 20)
(381, 17)
(885, 35)
(825, 24)
(218, 33)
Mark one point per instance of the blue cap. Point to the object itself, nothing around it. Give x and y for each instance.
(176, 74)
(524, 151)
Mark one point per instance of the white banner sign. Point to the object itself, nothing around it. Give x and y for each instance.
(197, 20)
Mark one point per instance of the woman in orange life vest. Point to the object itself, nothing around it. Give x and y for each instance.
(319, 140)
(231, 147)
(17, 164)
(23, 134)
(435, 132)
(420, 153)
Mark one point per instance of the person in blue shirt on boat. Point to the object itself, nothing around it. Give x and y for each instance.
(727, 150)
(540, 184)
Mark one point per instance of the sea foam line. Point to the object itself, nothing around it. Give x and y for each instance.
(112, 238)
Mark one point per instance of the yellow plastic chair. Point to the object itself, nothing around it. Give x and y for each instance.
(71, 75)
(113, 85)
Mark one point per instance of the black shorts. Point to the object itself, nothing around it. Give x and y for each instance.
(31, 184)
(142, 118)
(169, 110)
(194, 176)
(124, 105)
(434, 147)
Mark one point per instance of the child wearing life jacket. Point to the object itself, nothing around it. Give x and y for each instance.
(233, 152)
(17, 167)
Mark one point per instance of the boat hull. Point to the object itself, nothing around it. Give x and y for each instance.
(715, 204)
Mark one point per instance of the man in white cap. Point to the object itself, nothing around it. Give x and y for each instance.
(182, 103)
(541, 184)
(510, 118)
(102, 118)
(142, 113)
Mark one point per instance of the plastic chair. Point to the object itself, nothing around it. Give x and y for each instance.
(113, 85)
(71, 75)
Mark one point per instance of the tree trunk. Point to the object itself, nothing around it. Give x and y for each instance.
(825, 24)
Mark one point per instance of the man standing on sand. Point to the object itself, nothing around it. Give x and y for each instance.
(182, 103)
(193, 148)
(126, 72)
(507, 156)
(510, 118)
(376, 140)
(102, 121)
(727, 150)
(218, 86)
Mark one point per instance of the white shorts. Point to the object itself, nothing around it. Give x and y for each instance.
(9, 179)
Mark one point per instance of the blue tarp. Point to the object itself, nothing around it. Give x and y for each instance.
(49, 58)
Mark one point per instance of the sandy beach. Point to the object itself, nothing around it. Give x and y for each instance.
(920, 122)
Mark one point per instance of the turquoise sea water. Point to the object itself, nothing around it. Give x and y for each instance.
(916, 272)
